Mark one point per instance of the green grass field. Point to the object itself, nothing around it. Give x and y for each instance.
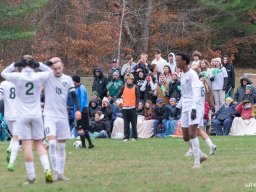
(145, 165)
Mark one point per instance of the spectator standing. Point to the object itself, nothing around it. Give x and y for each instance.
(231, 76)
(159, 61)
(161, 90)
(100, 82)
(172, 62)
(115, 67)
(128, 66)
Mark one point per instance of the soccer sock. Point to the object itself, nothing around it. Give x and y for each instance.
(53, 154)
(195, 147)
(45, 162)
(189, 144)
(20, 142)
(30, 170)
(82, 138)
(61, 157)
(14, 151)
(88, 137)
(208, 141)
(10, 145)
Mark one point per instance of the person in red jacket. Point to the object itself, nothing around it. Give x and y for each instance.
(246, 124)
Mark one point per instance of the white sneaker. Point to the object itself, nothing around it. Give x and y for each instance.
(189, 153)
(55, 176)
(125, 140)
(134, 139)
(203, 158)
(196, 166)
(212, 149)
(63, 178)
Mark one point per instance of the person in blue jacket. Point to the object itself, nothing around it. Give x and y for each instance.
(83, 125)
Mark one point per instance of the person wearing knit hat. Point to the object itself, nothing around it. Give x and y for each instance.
(95, 93)
(114, 85)
(218, 59)
(131, 95)
(248, 95)
(229, 99)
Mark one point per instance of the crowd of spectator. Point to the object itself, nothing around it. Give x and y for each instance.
(144, 95)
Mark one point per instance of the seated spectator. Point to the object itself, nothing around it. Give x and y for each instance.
(249, 95)
(114, 85)
(148, 112)
(160, 116)
(240, 91)
(174, 88)
(224, 117)
(93, 108)
(139, 81)
(148, 88)
(145, 127)
(118, 122)
(178, 72)
(101, 127)
(107, 110)
(100, 82)
(167, 73)
(161, 91)
(154, 72)
(140, 108)
(128, 66)
(246, 124)
(173, 117)
(95, 96)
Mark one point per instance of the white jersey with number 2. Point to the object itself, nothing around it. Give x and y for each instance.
(28, 86)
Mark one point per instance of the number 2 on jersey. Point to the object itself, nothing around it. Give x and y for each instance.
(30, 87)
(12, 93)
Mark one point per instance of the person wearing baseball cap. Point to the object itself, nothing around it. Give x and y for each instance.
(115, 67)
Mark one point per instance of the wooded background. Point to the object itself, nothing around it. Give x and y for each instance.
(86, 33)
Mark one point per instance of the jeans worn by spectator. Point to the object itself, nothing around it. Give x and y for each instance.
(102, 134)
(157, 126)
(226, 123)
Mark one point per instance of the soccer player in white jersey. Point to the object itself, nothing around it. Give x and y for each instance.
(192, 106)
(28, 85)
(8, 94)
(55, 115)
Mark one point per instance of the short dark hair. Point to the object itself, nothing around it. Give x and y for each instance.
(157, 51)
(184, 56)
(76, 78)
(128, 57)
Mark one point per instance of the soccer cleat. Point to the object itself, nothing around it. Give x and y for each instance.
(189, 153)
(8, 155)
(91, 146)
(63, 178)
(203, 158)
(134, 139)
(28, 182)
(212, 149)
(196, 166)
(10, 167)
(48, 176)
(125, 140)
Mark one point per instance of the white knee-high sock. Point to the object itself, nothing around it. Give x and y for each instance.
(30, 170)
(189, 144)
(61, 157)
(10, 145)
(45, 162)
(196, 150)
(14, 151)
(53, 154)
(208, 141)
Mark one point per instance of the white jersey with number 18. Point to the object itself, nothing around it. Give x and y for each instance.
(8, 94)
(56, 93)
